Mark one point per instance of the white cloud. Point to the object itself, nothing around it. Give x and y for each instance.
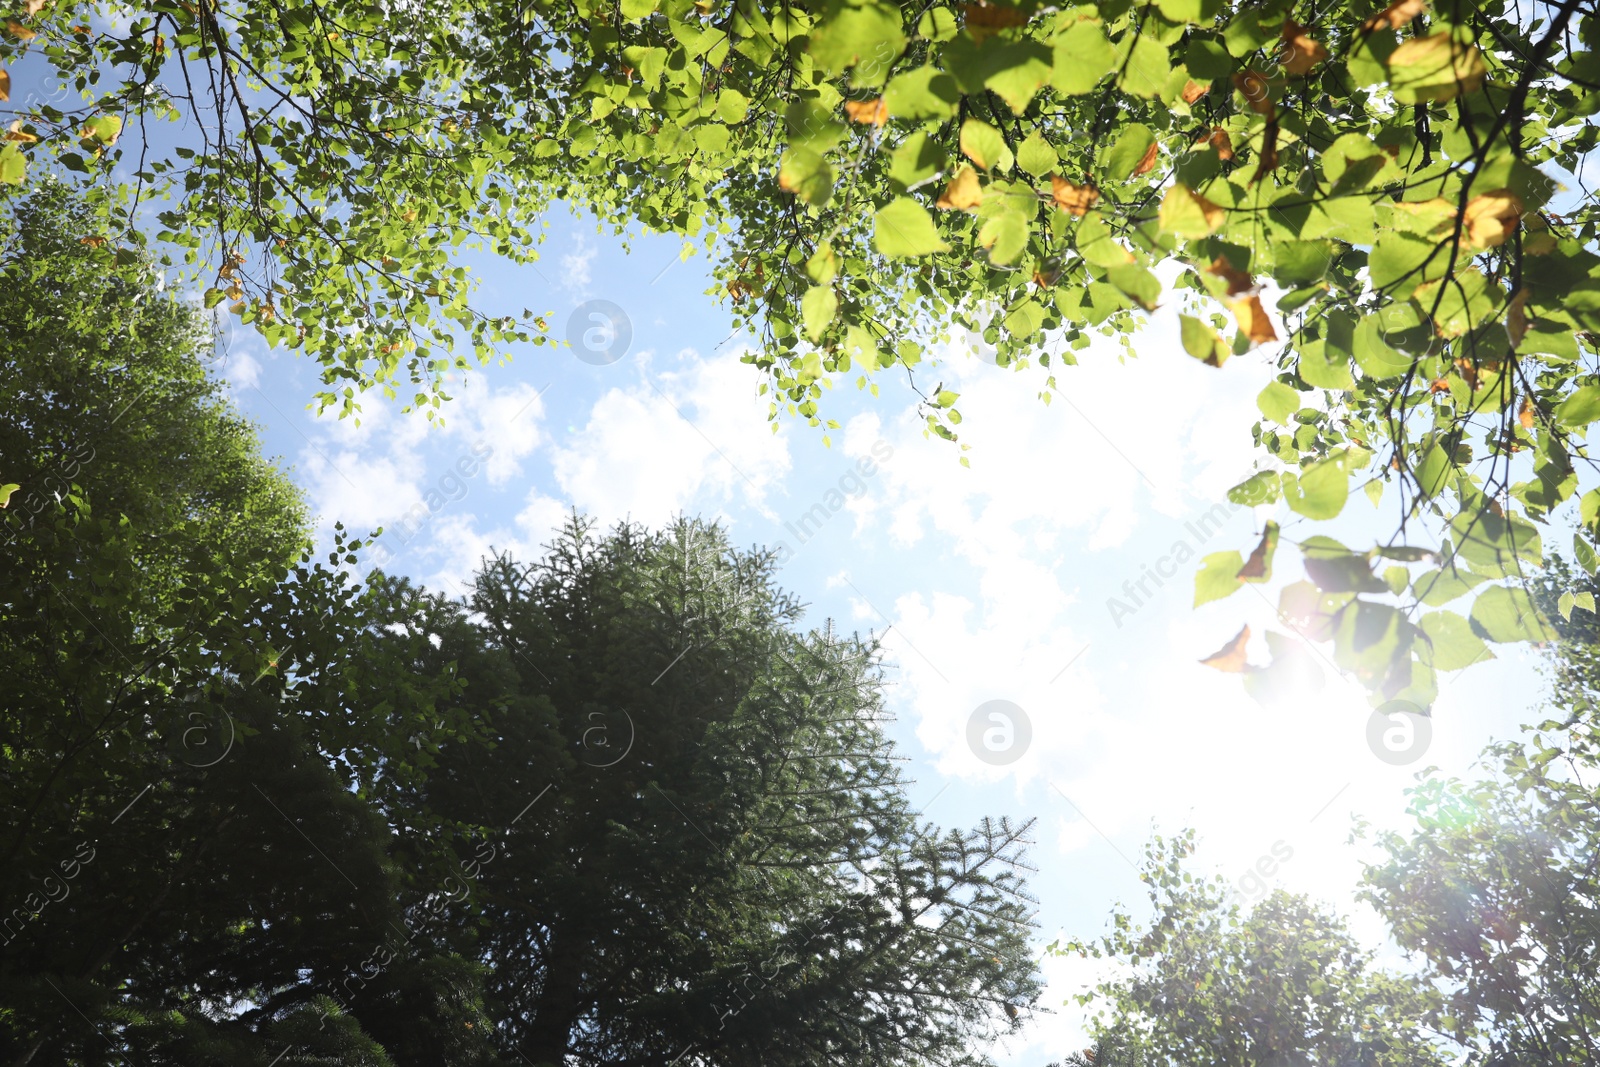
(690, 438)
(577, 266)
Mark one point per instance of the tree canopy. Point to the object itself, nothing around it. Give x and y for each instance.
(875, 180)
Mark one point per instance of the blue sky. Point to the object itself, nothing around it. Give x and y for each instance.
(988, 583)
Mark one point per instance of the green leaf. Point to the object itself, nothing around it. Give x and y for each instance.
(823, 265)
(1508, 614)
(6, 491)
(103, 128)
(1201, 341)
(1373, 354)
(1218, 577)
(1127, 151)
(903, 229)
(817, 309)
(1318, 492)
(1148, 67)
(1584, 553)
(1453, 644)
(1397, 263)
(868, 38)
(1344, 573)
(1278, 402)
(1435, 68)
(917, 159)
(1035, 155)
(1263, 487)
(1580, 408)
(1438, 587)
(1022, 69)
(213, 297)
(13, 165)
(1083, 57)
(1190, 10)
(1296, 263)
(807, 175)
(1499, 543)
(984, 145)
(1186, 213)
(923, 93)
(634, 10)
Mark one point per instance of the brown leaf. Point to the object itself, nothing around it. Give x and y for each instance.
(1047, 273)
(1193, 90)
(14, 132)
(1147, 162)
(1517, 317)
(1252, 319)
(19, 31)
(1439, 385)
(1303, 52)
(1269, 151)
(1395, 15)
(1231, 656)
(1238, 281)
(1490, 218)
(1074, 199)
(5, 86)
(92, 242)
(1253, 87)
(34, 7)
(1255, 568)
(1525, 415)
(963, 193)
(985, 20)
(1220, 140)
(867, 112)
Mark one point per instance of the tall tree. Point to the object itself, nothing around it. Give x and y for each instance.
(184, 870)
(1497, 886)
(875, 178)
(689, 841)
(1208, 983)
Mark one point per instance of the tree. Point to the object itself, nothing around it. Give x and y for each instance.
(689, 840)
(873, 176)
(1208, 984)
(171, 719)
(1496, 887)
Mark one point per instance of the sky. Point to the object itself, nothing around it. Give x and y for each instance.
(985, 584)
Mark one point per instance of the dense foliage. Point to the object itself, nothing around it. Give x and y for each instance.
(873, 176)
(1210, 983)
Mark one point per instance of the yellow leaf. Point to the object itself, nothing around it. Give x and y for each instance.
(984, 20)
(1231, 656)
(1238, 281)
(19, 31)
(1303, 52)
(35, 6)
(1436, 67)
(1252, 319)
(963, 193)
(1395, 15)
(5, 86)
(1188, 214)
(867, 112)
(1220, 140)
(1147, 162)
(1517, 317)
(1253, 87)
(14, 132)
(1489, 219)
(1074, 199)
